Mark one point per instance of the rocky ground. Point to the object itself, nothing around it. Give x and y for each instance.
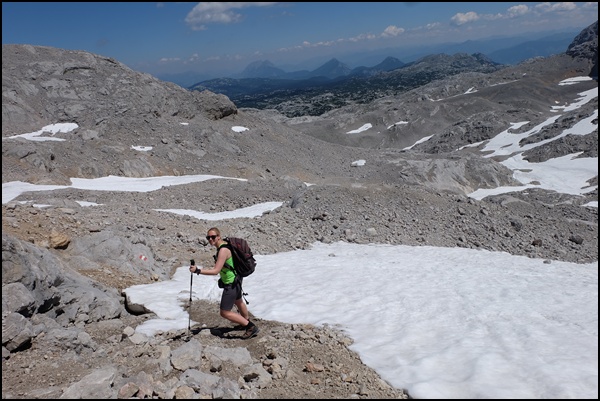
(318, 362)
(397, 197)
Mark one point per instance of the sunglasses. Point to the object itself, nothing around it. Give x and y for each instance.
(211, 237)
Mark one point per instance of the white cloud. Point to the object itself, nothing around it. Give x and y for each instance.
(517, 11)
(555, 7)
(463, 18)
(392, 31)
(218, 12)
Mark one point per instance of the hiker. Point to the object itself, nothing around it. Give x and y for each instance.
(231, 284)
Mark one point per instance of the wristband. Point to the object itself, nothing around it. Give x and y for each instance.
(198, 270)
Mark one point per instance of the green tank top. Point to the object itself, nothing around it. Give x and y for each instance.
(227, 274)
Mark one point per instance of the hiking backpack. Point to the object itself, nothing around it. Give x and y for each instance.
(243, 259)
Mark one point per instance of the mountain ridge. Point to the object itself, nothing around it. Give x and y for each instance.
(343, 86)
(511, 46)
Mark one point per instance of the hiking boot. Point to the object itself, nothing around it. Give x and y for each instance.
(239, 327)
(251, 331)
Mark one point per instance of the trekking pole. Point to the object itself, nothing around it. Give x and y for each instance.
(190, 307)
(244, 295)
(242, 289)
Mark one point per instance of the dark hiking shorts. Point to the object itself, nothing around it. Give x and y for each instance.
(231, 293)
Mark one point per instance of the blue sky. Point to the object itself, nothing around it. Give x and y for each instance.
(176, 37)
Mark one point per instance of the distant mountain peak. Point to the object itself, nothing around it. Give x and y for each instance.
(332, 69)
(262, 69)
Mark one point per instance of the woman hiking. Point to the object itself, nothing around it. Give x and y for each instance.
(231, 284)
